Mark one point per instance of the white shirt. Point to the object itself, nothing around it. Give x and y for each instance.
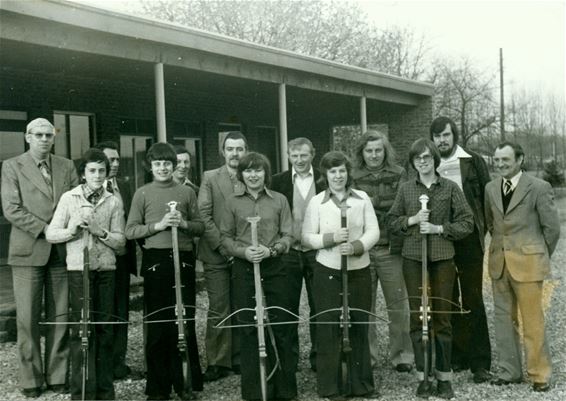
(514, 180)
(303, 183)
(450, 167)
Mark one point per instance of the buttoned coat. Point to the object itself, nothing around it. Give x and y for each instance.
(525, 236)
(475, 176)
(215, 189)
(29, 204)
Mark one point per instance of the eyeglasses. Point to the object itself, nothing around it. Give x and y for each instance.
(423, 159)
(40, 135)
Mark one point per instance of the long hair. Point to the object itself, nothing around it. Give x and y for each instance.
(390, 158)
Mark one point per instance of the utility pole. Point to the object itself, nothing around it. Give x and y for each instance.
(502, 100)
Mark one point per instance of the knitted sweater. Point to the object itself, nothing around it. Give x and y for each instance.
(108, 213)
(150, 204)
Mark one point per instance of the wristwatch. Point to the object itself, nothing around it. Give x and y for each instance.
(105, 236)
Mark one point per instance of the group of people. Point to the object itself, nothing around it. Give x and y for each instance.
(359, 221)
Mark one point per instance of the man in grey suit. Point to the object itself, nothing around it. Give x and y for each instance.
(32, 184)
(222, 348)
(524, 226)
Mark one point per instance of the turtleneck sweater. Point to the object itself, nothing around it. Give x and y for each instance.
(150, 204)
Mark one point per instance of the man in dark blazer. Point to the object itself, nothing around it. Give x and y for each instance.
(125, 262)
(523, 221)
(32, 184)
(470, 337)
(222, 345)
(299, 184)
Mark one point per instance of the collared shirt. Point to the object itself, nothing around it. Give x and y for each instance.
(303, 183)
(448, 207)
(113, 183)
(39, 161)
(514, 180)
(323, 218)
(450, 167)
(274, 227)
(93, 196)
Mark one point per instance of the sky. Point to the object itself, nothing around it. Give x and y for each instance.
(531, 33)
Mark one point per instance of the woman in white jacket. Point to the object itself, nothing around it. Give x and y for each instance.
(90, 215)
(322, 230)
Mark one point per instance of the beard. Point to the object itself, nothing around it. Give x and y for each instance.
(446, 152)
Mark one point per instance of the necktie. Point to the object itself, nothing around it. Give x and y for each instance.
(109, 186)
(45, 172)
(506, 187)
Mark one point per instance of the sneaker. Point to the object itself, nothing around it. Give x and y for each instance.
(425, 389)
(444, 389)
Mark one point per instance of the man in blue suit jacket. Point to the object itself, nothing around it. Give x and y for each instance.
(32, 184)
(299, 185)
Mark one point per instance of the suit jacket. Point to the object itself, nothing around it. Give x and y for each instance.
(126, 195)
(29, 204)
(283, 183)
(216, 187)
(524, 237)
(475, 176)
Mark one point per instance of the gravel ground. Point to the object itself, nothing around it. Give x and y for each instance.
(391, 385)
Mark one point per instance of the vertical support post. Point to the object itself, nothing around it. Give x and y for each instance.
(160, 103)
(502, 95)
(363, 114)
(283, 126)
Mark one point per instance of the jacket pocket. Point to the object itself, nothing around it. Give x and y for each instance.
(533, 249)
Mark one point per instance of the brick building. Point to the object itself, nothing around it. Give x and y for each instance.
(101, 75)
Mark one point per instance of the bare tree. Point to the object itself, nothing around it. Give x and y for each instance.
(334, 30)
(466, 94)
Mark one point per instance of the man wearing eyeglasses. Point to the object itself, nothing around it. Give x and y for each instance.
(32, 184)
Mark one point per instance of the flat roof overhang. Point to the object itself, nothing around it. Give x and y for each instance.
(73, 26)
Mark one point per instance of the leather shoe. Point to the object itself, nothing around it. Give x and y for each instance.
(481, 376)
(444, 389)
(459, 367)
(403, 367)
(32, 392)
(121, 372)
(214, 373)
(541, 387)
(424, 390)
(503, 382)
(58, 388)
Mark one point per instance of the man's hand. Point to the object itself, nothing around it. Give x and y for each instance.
(93, 227)
(257, 254)
(429, 228)
(171, 219)
(421, 217)
(77, 220)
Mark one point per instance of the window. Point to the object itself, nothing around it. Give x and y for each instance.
(12, 143)
(75, 133)
(345, 136)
